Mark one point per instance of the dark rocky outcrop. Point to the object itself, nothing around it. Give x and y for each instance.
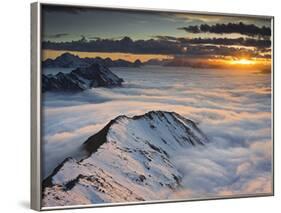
(80, 79)
(68, 60)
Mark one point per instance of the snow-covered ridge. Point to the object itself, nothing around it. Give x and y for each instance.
(80, 79)
(128, 160)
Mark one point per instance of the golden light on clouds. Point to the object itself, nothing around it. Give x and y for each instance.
(242, 61)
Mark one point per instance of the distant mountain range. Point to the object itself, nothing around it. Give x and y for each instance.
(130, 159)
(95, 75)
(67, 60)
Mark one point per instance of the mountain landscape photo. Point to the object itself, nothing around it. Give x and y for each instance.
(142, 106)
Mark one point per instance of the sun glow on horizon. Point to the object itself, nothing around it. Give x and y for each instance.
(219, 62)
(242, 61)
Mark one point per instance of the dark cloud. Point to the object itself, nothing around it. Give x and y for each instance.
(258, 43)
(241, 28)
(58, 35)
(49, 8)
(65, 9)
(168, 45)
(126, 45)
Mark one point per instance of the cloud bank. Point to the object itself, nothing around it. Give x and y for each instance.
(233, 109)
(241, 28)
(58, 35)
(166, 45)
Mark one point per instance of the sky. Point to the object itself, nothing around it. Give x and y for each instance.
(189, 38)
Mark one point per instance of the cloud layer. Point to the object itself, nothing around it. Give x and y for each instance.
(169, 45)
(247, 42)
(234, 110)
(241, 28)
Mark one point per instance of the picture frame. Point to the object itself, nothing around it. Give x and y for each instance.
(255, 175)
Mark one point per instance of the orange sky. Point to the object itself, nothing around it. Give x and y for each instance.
(114, 56)
(242, 63)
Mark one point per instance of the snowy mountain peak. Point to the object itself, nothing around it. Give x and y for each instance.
(171, 128)
(130, 159)
(80, 79)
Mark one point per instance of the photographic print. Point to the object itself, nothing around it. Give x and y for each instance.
(142, 106)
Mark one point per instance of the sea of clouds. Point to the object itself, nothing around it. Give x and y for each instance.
(233, 108)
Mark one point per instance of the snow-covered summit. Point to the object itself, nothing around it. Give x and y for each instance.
(80, 79)
(130, 159)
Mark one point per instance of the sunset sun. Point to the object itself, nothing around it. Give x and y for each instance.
(242, 61)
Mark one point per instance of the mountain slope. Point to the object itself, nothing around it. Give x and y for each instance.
(65, 60)
(80, 79)
(68, 60)
(128, 160)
